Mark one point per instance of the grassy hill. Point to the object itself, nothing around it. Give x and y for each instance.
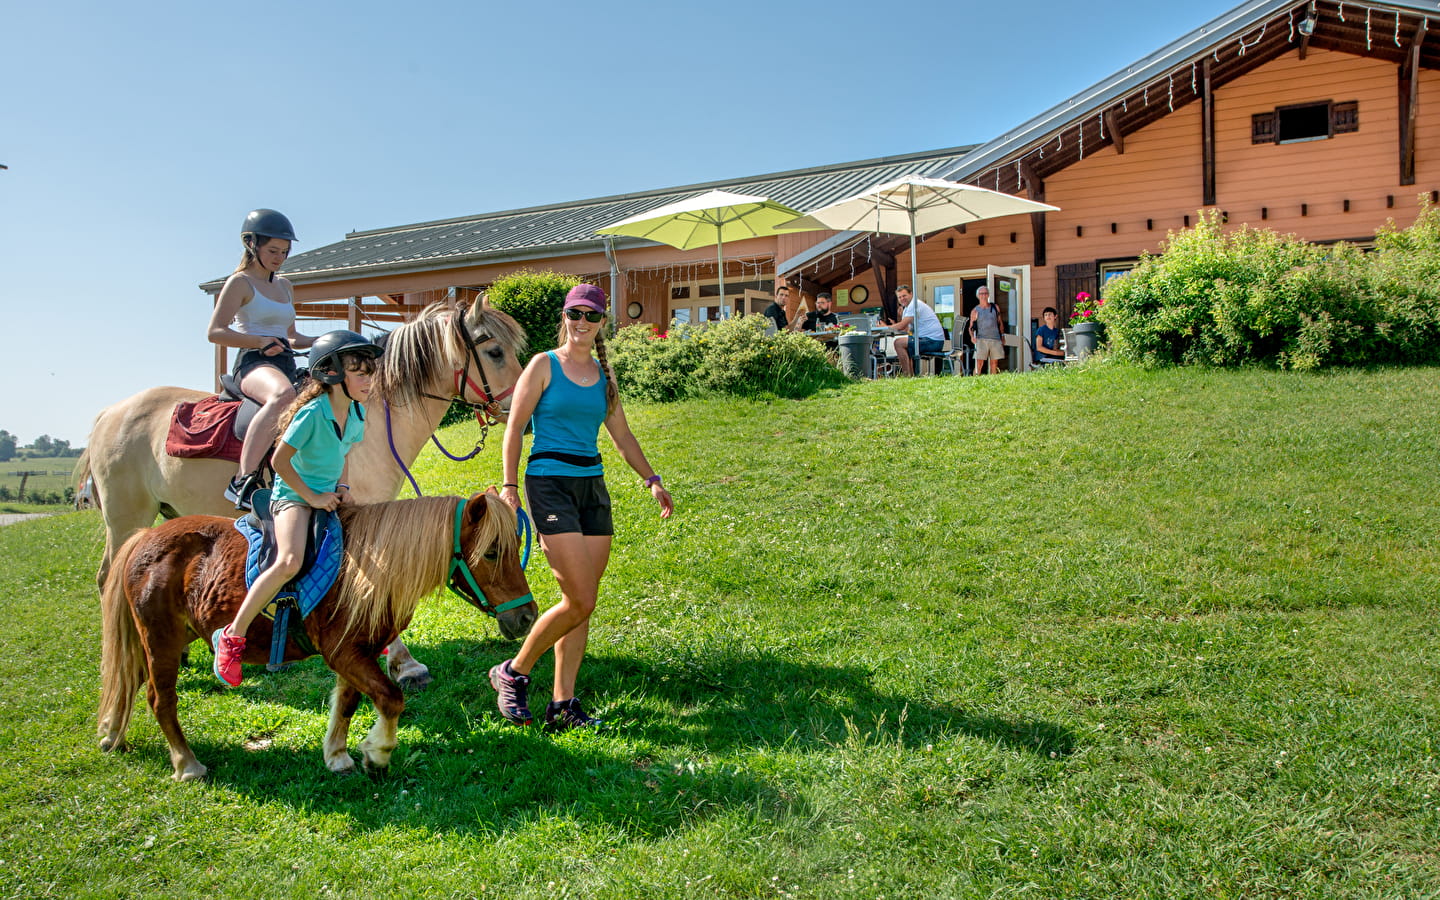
(1097, 632)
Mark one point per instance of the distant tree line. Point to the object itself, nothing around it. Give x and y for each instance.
(44, 446)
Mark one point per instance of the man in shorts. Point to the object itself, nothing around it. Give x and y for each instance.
(987, 332)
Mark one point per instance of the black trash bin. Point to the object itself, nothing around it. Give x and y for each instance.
(855, 359)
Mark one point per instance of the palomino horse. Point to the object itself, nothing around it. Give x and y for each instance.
(427, 362)
(185, 578)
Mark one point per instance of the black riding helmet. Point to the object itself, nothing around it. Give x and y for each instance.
(325, 354)
(268, 223)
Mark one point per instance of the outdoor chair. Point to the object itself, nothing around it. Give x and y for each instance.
(941, 363)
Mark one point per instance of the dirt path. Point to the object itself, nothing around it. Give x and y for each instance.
(12, 518)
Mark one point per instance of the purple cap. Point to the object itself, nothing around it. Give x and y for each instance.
(589, 296)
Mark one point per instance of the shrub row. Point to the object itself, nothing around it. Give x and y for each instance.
(733, 357)
(1226, 298)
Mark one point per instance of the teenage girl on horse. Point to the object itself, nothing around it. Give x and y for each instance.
(566, 395)
(256, 313)
(319, 428)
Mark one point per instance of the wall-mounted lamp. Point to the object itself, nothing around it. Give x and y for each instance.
(1307, 24)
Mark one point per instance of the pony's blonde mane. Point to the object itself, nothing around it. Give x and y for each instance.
(422, 354)
(397, 553)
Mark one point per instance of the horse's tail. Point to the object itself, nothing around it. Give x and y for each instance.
(122, 658)
(83, 474)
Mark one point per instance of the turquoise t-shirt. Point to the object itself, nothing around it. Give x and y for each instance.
(319, 447)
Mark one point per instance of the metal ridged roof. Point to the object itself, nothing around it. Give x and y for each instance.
(564, 228)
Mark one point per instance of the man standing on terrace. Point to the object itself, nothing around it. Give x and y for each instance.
(987, 331)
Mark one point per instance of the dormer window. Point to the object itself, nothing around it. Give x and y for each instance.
(1305, 122)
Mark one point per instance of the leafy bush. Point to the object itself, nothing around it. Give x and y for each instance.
(534, 299)
(733, 357)
(1251, 295)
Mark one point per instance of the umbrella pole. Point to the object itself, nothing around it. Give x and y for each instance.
(914, 297)
(720, 270)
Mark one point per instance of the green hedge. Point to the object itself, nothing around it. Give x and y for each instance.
(1226, 298)
(733, 357)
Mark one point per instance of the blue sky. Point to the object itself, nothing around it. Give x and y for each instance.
(138, 135)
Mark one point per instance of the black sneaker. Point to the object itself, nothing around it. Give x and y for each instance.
(568, 714)
(513, 690)
(239, 491)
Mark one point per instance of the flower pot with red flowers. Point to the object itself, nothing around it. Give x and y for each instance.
(1086, 332)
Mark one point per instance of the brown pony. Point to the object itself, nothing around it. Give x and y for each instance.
(445, 352)
(185, 578)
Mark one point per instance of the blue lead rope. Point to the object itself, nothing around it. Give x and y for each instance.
(522, 526)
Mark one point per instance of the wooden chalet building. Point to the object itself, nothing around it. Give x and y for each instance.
(1305, 117)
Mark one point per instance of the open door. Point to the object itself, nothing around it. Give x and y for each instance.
(1010, 288)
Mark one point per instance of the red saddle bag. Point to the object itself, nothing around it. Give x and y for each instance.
(205, 429)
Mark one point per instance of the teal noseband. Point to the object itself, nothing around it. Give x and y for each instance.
(469, 587)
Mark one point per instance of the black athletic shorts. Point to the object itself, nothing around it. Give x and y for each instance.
(565, 504)
(252, 359)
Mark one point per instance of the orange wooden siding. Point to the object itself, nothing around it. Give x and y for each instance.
(1159, 179)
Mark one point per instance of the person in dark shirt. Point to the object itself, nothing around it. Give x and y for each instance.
(777, 309)
(823, 314)
(1047, 339)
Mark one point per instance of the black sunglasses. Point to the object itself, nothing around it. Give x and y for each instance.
(575, 314)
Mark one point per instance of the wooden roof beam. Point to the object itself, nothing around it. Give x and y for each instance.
(1117, 137)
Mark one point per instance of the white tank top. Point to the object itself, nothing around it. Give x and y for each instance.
(263, 317)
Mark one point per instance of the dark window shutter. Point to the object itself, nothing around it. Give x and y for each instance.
(1262, 128)
(1071, 279)
(1345, 117)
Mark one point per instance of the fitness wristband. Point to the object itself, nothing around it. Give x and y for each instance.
(652, 480)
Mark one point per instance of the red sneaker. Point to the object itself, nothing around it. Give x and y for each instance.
(228, 650)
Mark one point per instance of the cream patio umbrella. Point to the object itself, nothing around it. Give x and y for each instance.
(914, 205)
(710, 218)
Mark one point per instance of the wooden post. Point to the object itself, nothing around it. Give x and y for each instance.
(1409, 106)
(354, 318)
(1035, 188)
(222, 364)
(1207, 135)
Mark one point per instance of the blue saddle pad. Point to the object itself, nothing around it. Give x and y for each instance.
(316, 577)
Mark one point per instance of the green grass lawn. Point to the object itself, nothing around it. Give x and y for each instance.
(1087, 633)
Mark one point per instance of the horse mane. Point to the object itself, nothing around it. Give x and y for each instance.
(398, 552)
(425, 350)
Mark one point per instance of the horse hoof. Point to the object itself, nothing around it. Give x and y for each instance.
(415, 679)
(375, 770)
(193, 772)
(111, 744)
(342, 765)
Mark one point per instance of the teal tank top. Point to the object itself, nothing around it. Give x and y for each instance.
(566, 420)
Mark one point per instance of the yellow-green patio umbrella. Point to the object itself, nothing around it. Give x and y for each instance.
(710, 218)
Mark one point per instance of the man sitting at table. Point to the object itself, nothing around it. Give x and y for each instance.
(777, 309)
(929, 333)
(823, 314)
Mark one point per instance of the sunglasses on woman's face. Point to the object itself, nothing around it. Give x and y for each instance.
(575, 314)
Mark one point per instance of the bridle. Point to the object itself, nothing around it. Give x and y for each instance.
(487, 412)
(462, 580)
